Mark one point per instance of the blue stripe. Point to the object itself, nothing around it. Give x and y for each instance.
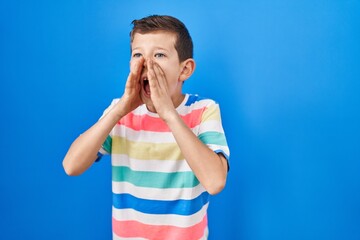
(192, 99)
(179, 207)
(223, 153)
(99, 156)
(226, 156)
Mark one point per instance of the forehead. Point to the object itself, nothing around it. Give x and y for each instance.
(161, 39)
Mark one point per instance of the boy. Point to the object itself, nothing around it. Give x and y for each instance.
(168, 149)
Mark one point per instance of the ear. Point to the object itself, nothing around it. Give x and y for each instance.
(188, 67)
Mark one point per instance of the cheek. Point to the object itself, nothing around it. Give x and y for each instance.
(163, 67)
(160, 62)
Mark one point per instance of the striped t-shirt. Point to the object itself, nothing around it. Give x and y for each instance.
(155, 193)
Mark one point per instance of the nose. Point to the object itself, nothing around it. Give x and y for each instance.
(145, 63)
(144, 67)
(146, 59)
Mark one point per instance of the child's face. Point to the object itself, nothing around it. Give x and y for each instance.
(160, 47)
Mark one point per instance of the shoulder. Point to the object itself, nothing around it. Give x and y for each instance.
(195, 100)
(199, 108)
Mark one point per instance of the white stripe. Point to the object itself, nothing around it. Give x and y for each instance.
(165, 194)
(160, 219)
(211, 125)
(150, 165)
(225, 149)
(116, 237)
(206, 234)
(103, 151)
(195, 106)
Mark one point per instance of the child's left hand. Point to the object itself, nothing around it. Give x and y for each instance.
(160, 95)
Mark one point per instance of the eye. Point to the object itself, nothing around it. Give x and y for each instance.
(136, 55)
(159, 55)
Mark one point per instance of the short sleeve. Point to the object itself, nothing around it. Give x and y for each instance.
(211, 131)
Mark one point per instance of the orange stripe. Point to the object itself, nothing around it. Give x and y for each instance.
(156, 124)
(136, 229)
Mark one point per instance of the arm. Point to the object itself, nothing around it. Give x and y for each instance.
(83, 151)
(210, 168)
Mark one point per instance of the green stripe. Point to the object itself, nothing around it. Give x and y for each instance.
(107, 144)
(215, 138)
(154, 179)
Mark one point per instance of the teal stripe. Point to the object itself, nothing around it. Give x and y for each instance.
(215, 138)
(154, 179)
(107, 144)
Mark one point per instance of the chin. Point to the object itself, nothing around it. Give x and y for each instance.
(148, 103)
(150, 107)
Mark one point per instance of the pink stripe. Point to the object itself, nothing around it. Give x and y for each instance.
(156, 124)
(136, 229)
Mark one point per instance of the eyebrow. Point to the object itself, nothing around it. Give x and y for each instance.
(156, 48)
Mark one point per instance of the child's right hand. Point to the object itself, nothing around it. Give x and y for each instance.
(131, 97)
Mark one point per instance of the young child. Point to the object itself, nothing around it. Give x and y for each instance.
(168, 149)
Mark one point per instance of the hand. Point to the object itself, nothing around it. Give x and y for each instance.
(131, 97)
(160, 95)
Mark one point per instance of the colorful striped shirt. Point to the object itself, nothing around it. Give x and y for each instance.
(155, 193)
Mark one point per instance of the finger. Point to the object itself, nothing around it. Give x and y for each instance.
(136, 67)
(160, 75)
(153, 81)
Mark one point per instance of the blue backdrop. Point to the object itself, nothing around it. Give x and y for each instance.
(287, 77)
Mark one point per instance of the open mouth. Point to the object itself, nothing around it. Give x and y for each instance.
(146, 86)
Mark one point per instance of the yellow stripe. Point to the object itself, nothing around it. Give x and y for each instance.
(146, 150)
(211, 113)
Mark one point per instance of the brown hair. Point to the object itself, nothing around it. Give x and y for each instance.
(183, 43)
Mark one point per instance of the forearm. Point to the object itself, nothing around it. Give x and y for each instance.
(209, 167)
(83, 151)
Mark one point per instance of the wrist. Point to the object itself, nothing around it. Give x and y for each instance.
(171, 117)
(119, 110)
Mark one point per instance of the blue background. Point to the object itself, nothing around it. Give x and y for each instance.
(287, 77)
